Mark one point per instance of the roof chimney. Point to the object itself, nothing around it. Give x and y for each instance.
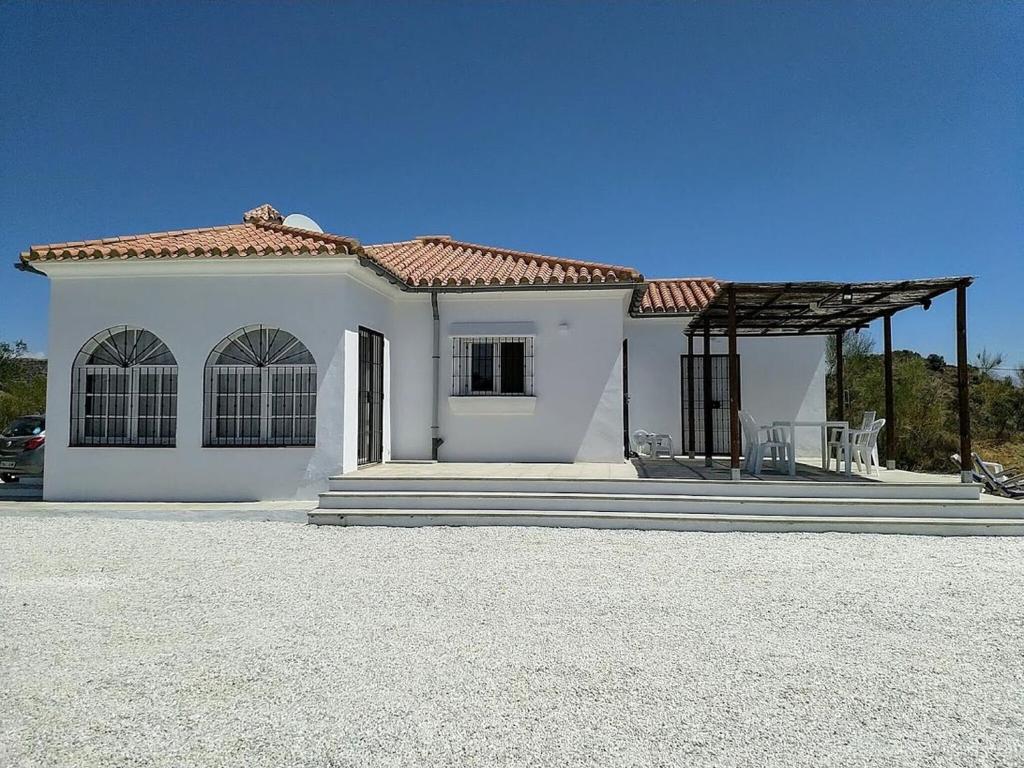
(263, 213)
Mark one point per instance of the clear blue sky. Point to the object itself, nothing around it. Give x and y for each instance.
(748, 141)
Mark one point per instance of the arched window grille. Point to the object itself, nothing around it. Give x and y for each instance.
(124, 390)
(259, 390)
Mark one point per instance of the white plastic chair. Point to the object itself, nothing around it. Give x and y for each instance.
(655, 444)
(642, 439)
(864, 447)
(773, 445)
(836, 441)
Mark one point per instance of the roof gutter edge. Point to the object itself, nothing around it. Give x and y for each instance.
(688, 313)
(23, 266)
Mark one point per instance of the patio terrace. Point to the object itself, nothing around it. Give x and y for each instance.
(808, 470)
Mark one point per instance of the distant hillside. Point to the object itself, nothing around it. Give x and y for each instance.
(31, 366)
(925, 392)
(22, 387)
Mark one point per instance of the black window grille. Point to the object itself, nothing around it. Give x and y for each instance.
(124, 391)
(492, 366)
(259, 390)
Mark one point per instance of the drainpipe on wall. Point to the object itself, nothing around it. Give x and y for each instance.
(435, 428)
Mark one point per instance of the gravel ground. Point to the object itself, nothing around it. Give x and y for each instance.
(127, 642)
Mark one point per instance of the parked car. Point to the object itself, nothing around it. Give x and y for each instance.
(22, 444)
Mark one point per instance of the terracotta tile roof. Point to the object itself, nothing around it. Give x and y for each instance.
(440, 260)
(432, 260)
(676, 296)
(252, 239)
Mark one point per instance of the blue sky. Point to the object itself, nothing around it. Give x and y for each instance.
(774, 141)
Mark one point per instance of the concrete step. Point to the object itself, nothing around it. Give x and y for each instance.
(931, 526)
(449, 501)
(739, 488)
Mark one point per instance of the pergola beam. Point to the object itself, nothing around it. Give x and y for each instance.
(855, 309)
(734, 391)
(890, 405)
(963, 383)
(767, 305)
(691, 410)
(709, 438)
(840, 387)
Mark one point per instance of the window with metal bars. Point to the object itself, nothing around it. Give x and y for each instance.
(124, 390)
(259, 389)
(492, 366)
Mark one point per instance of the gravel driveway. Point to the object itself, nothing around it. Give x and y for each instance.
(128, 642)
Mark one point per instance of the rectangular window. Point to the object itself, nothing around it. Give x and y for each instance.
(133, 406)
(270, 406)
(492, 366)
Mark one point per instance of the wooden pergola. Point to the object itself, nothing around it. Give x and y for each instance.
(821, 309)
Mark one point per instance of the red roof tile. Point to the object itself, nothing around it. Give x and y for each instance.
(439, 260)
(676, 296)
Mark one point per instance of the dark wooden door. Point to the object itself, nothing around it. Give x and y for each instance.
(719, 403)
(371, 396)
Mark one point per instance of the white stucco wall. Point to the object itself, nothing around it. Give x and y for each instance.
(577, 358)
(412, 374)
(577, 415)
(781, 378)
(191, 307)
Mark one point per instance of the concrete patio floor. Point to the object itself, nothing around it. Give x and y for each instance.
(675, 468)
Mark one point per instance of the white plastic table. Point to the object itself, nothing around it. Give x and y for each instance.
(824, 426)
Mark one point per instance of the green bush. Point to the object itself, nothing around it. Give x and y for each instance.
(22, 382)
(926, 404)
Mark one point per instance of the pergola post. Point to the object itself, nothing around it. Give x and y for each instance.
(734, 391)
(840, 386)
(691, 409)
(890, 407)
(962, 381)
(709, 438)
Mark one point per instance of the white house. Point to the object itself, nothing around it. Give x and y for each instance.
(255, 360)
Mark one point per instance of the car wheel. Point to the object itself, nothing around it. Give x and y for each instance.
(7, 478)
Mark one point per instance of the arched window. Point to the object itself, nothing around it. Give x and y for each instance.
(259, 390)
(124, 390)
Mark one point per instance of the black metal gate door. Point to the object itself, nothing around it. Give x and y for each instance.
(719, 404)
(371, 396)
